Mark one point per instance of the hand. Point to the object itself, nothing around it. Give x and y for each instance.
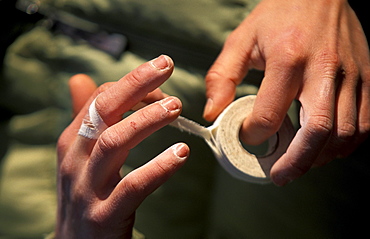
(312, 51)
(94, 201)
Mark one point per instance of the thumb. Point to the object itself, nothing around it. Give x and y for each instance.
(81, 87)
(226, 73)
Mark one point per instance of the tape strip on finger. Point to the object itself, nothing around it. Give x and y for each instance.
(93, 124)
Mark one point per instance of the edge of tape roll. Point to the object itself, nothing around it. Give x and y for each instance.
(234, 157)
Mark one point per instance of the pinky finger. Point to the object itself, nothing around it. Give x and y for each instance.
(138, 184)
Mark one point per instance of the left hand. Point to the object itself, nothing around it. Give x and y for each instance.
(94, 201)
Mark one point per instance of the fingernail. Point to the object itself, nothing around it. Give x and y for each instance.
(208, 107)
(170, 104)
(161, 63)
(181, 151)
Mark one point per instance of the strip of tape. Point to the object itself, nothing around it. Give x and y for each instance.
(92, 125)
(223, 139)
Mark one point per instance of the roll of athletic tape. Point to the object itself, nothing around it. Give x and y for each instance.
(223, 139)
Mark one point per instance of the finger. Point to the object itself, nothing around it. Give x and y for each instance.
(363, 90)
(363, 120)
(133, 88)
(108, 108)
(138, 184)
(345, 124)
(70, 134)
(153, 96)
(278, 89)
(81, 87)
(114, 143)
(226, 73)
(364, 106)
(363, 100)
(317, 120)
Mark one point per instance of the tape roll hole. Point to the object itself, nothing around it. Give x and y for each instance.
(264, 149)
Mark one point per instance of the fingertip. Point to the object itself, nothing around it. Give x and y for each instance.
(81, 87)
(264, 121)
(280, 180)
(181, 151)
(80, 80)
(208, 113)
(162, 63)
(252, 133)
(281, 175)
(171, 104)
(221, 85)
(220, 96)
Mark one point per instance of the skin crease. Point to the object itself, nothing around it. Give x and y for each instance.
(329, 74)
(93, 200)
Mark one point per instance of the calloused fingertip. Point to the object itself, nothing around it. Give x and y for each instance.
(181, 151)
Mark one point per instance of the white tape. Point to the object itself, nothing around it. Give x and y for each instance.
(223, 139)
(92, 125)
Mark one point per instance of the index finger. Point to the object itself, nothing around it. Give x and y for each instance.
(132, 88)
(277, 92)
(229, 69)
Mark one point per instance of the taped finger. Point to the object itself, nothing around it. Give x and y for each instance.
(92, 124)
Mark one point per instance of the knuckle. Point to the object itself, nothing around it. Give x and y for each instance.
(320, 126)
(146, 117)
(101, 105)
(135, 185)
(104, 87)
(290, 46)
(351, 71)
(329, 62)
(108, 140)
(268, 120)
(218, 74)
(292, 54)
(345, 131)
(344, 134)
(298, 168)
(135, 78)
(165, 166)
